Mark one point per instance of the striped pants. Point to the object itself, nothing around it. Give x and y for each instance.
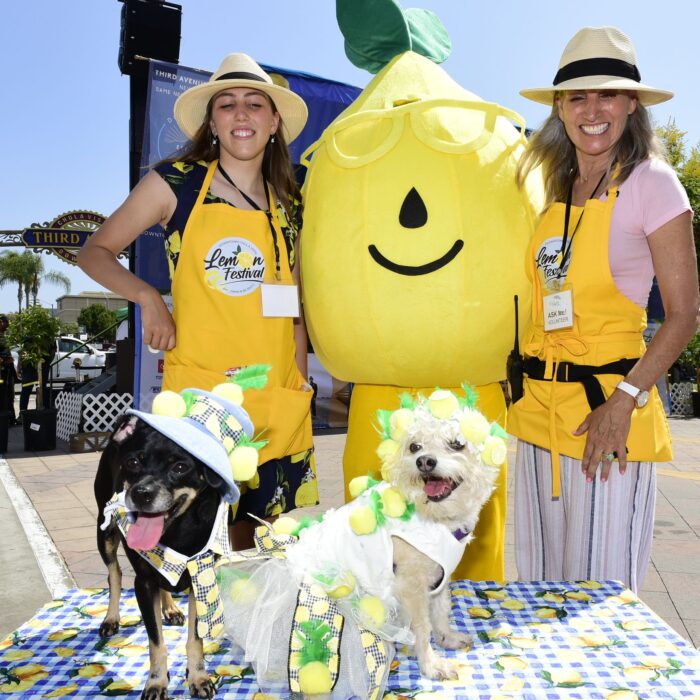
(593, 531)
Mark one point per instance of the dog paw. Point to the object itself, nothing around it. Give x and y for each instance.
(109, 628)
(200, 685)
(438, 669)
(155, 691)
(173, 616)
(454, 640)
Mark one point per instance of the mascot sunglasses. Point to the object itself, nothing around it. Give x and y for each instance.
(447, 125)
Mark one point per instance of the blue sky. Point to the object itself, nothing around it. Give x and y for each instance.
(65, 112)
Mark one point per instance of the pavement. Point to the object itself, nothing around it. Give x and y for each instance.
(48, 520)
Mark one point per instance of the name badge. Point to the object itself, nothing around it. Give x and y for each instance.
(280, 300)
(558, 310)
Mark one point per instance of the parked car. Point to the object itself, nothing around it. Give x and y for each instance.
(92, 360)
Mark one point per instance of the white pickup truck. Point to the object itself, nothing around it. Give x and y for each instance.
(92, 361)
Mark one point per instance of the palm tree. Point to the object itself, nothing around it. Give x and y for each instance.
(28, 272)
(37, 275)
(13, 268)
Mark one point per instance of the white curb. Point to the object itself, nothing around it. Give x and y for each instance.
(56, 575)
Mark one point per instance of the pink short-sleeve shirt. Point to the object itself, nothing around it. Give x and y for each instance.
(650, 197)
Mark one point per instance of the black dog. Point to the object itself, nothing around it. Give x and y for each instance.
(176, 498)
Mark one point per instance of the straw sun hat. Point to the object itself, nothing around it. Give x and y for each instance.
(599, 58)
(239, 70)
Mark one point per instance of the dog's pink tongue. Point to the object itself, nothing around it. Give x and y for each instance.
(435, 487)
(146, 532)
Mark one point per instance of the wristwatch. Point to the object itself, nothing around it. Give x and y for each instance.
(641, 398)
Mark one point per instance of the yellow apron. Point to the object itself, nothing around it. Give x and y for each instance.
(484, 557)
(607, 327)
(226, 253)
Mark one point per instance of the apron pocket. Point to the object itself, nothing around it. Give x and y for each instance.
(290, 421)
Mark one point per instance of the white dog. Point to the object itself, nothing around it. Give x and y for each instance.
(377, 568)
(445, 476)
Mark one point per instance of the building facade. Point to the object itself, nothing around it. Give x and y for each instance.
(70, 305)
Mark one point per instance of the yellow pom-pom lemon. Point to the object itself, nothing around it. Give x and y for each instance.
(373, 610)
(315, 678)
(394, 503)
(229, 391)
(358, 485)
(387, 449)
(243, 591)
(362, 520)
(284, 525)
(442, 403)
(399, 421)
(346, 586)
(244, 462)
(495, 451)
(474, 427)
(169, 403)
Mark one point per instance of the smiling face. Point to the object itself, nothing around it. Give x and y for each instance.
(415, 236)
(595, 120)
(243, 120)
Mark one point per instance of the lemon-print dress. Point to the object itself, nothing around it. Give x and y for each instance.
(218, 255)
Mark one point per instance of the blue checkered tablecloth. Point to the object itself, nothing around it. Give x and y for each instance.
(544, 640)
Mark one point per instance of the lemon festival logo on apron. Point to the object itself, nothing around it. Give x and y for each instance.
(548, 260)
(234, 266)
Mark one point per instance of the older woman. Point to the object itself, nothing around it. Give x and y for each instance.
(230, 209)
(615, 217)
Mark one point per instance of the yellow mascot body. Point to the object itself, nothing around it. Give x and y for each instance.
(413, 247)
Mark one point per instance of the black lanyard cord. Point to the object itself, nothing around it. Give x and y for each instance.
(566, 251)
(267, 212)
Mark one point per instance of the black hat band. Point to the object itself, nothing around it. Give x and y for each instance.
(240, 75)
(597, 66)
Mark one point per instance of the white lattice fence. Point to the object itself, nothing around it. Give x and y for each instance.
(680, 394)
(69, 407)
(100, 411)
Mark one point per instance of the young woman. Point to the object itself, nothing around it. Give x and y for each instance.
(230, 208)
(616, 216)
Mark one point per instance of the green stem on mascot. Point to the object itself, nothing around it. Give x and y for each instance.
(414, 240)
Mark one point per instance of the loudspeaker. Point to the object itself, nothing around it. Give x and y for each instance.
(150, 28)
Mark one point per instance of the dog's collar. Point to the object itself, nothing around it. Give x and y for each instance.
(461, 533)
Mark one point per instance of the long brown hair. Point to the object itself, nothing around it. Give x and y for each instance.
(276, 165)
(551, 148)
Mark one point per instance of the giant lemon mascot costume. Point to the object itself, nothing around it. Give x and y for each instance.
(414, 240)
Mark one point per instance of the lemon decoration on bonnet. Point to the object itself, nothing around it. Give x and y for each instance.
(213, 426)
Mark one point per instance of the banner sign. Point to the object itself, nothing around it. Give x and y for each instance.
(65, 235)
(148, 365)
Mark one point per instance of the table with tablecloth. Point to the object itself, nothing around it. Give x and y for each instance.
(543, 640)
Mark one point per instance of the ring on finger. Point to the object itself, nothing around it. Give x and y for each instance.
(609, 456)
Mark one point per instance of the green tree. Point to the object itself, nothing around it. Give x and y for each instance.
(70, 328)
(33, 332)
(687, 166)
(99, 322)
(27, 271)
(13, 270)
(37, 275)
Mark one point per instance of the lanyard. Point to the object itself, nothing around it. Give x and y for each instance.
(267, 212)
(566, 251)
